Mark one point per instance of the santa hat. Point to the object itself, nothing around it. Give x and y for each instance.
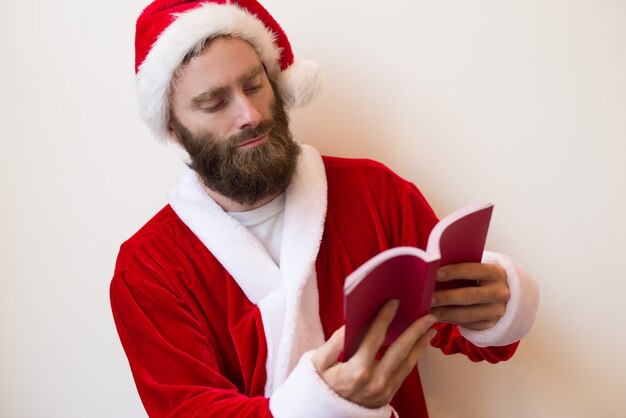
(167, 30)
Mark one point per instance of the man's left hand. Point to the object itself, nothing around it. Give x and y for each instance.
(476, 307)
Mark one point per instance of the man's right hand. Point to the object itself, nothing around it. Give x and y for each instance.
(363, 379)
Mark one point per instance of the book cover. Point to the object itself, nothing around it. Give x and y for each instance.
(409, 274)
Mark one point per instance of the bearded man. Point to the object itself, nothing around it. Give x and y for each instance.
(229, 301)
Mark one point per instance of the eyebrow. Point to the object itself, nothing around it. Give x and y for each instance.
(222, 90)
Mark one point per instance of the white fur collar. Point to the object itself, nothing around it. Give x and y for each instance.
(287, 297)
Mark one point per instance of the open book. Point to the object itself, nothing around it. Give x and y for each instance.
(409, 274)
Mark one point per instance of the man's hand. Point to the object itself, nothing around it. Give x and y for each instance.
(473, 307)
(363, 379)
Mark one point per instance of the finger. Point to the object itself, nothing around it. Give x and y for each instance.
(399, 353)
(375, 336)
(328, 354)
(463, 296)
(471, 271)
(480, 325)
(474, 295)
(410, 362)
(462, 315)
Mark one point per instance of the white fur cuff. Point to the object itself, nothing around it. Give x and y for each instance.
(305, 395)
(520, 309)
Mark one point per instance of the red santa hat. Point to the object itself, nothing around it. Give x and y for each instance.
(167, 30)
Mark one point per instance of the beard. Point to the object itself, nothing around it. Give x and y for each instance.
(244, 175)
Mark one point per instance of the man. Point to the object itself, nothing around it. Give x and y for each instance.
(229, 301)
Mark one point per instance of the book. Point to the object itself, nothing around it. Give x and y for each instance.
(409, 274)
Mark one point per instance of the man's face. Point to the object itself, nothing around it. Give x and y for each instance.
(235, 129)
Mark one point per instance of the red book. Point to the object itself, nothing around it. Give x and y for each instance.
(409, 274)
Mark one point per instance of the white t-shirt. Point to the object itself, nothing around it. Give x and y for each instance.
(266, 224)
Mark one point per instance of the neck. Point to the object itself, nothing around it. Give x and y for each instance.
(230, 205)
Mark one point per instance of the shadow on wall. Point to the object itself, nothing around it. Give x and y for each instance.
(349, 121)
(537, 382)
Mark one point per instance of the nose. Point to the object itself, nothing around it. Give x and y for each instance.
(248, 116)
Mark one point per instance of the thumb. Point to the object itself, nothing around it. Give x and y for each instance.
(328, 353)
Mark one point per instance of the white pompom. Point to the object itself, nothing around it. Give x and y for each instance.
(300, 83)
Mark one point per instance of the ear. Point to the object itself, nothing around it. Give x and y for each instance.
(171, 132)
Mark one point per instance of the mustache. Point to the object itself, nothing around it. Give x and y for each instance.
(263, 128)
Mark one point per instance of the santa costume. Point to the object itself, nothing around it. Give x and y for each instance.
(218, 321)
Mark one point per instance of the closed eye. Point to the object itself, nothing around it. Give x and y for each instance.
(253, 88)
(214, 107)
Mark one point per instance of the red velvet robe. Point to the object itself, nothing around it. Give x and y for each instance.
(197, 345)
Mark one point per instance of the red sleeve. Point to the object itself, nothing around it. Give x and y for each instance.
(175, 367)
(450, 341)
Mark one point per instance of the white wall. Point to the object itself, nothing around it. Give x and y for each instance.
(522, 103)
